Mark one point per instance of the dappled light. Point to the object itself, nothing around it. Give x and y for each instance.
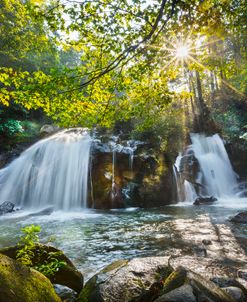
(123, 142)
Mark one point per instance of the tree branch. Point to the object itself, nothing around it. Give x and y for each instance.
(132, 48)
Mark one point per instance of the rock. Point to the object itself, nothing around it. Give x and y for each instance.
(6, 207)
(134, 163)
(164, 285)
(236, 293)
(67, 275)
(224, 282)
(205, 289)
(183, 293)
(242, 274)
(65, 293)
(200, 251)
(46, 211)
(240, 217)
(116, 197)
(22, 284)
(204, 200)
(206, 242)
(125, 281)
(48, 129)
(175, 279)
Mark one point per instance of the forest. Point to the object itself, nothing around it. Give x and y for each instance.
(123, 142)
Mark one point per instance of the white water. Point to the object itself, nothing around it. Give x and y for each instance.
(189, 192)
(53, 172)
(216, 177)
(217, 174)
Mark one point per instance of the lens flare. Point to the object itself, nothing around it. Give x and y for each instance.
(182, 52)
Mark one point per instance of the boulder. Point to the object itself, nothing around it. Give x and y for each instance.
(48, 129)
(6, 207)
(67, 275)
(124, 280)
(206, 290)
(240, 218)
(224, 282)
(236, 293)
(46, 211)
(204, 200)
(183, 293)
(20, 283)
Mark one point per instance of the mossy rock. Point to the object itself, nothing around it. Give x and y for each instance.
(19, 283)
(174, 280)
(67, 275)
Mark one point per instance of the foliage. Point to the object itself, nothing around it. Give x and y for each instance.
(164, 131)
(230, 115)
(28, 253)
(27, 244)
(10, 127)
(89, 63)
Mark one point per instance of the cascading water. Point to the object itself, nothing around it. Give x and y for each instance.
(215, 176)
(53, 172)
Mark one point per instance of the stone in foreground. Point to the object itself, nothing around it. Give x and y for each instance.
(124, 280)
(22, 284)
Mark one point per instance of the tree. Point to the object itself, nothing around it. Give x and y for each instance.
(125, 56)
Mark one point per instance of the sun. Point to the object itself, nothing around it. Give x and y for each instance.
(182, 52)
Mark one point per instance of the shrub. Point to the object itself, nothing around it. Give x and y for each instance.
(28, 253)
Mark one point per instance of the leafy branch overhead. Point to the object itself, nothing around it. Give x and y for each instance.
(94, 62)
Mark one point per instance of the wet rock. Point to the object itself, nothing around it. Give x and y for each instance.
(206, 290)
(204, 200)
(236, 293)
(48, 129)
(6, 207)
(20, 283)
(66, 275)
(116, 197)
(46, 211)
(183, 293)
(240, 218)
(189, 165)
(242, 274)
(149, 172)
(224, 282)
(125, 281)
(200, 251)
(65, 293)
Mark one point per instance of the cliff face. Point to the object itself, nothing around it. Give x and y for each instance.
(130, 173)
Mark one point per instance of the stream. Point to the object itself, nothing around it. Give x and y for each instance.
(93, 238)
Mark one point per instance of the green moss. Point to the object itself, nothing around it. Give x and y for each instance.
(87, 290)
(20, 283)
(115, 265)
(174, 280)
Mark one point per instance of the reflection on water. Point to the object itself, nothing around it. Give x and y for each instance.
(93, 239)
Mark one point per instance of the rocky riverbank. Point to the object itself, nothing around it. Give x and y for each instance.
(204, 261)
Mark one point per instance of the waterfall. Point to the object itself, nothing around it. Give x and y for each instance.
(215, 175)
(178, 180)
(216, 172)
(52, 172)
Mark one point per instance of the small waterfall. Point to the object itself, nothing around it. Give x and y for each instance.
(54, 171)
(178, 180)
(214, 177)
(217, 174)
(189, 192)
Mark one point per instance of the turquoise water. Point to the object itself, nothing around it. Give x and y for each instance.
(93, 239)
